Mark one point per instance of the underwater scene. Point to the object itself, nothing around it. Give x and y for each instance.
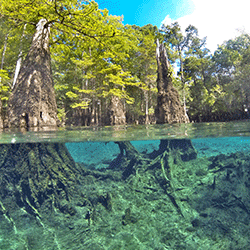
(161, 187)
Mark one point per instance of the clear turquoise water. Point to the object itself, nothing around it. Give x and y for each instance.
(212, 192)
(99, 154)
(129, 133)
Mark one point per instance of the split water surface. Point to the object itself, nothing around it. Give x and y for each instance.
(182, 186)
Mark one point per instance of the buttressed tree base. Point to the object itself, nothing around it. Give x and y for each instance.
(169, 108)
(32, 102)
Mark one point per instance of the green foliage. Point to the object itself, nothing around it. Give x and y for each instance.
(67, 18)
(82, 105)
(61, 114)
(231, 64)
(151, 111)
(4, 75)
(93, 69)
(4, 87)
(94, 57)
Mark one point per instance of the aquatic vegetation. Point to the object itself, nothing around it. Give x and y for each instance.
(169, 198)
(34, 173)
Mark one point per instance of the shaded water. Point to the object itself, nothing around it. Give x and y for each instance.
(142, 199)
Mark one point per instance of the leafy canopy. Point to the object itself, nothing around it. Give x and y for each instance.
(84, 39)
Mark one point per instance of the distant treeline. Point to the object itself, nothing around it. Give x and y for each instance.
(111, 59)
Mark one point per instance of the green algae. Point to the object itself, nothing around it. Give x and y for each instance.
(157, 201)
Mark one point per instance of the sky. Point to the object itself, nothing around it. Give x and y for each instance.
(218, 20)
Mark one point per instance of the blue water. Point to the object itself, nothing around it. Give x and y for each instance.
(105, 199)
(128, 133)
(99, 154)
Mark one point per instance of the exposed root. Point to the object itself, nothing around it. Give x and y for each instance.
(37, 172)
(165, 159)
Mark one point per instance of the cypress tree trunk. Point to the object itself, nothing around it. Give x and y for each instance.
(160, 164)
(169, 108)
(36, 174)
(116, 113)
(1, 119)
(19, 59)
(1, 68)
(32, 102)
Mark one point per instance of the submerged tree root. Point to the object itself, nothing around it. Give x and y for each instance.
(158, 165)
(42, 178)
(35, 173)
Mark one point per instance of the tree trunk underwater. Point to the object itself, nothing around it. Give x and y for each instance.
(32, 102)
(158, 166)
(35, 174)
(169, 110)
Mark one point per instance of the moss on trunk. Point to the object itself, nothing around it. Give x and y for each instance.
(158, 166)
(35, 173)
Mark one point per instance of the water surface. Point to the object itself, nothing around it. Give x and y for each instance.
(129, 132)
(102, 199)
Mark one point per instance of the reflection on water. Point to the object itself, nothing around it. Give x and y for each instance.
(126, 187)
(128, 133)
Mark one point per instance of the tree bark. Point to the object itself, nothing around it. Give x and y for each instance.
(34, 174)
(116, 113)
(169, 108)
(32, 102)
(19, 59)
(4, 51)
(1, 68)
(146, 107)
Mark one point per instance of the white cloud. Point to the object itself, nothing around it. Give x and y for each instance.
(218, 20)
(167, 20)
